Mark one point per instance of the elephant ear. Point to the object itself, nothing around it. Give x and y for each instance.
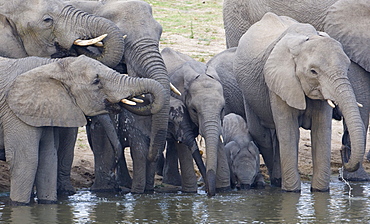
(39, 98)
(348, 22)
(279, 71)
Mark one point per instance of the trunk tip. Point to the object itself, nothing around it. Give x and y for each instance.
(211, 183)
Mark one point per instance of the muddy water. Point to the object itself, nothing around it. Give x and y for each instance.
(269, 205)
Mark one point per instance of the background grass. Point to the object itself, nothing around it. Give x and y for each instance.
(194, 27)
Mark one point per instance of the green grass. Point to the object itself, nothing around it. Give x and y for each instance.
(195, 20)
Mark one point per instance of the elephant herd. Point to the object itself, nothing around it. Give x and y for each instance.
(63, 65)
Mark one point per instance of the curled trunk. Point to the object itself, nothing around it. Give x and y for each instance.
(144, 60)
(90, 26)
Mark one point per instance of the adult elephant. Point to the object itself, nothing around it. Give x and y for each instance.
(287, 70)
(38, 94)
(141, 59)
(344, 20)
(53, 29)
(202, 95)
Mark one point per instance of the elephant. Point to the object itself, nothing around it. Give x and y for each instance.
(336, 18)
(39, 94)
(181, 146)
(141, 58)
(57, 29)
(242, 153)
(202, 95)
(288, 71)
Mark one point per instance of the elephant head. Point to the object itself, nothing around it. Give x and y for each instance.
(53, 95)
(315, 66)
(51, 28)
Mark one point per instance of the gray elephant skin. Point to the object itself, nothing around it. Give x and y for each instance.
(287, 71)
(52, 29)
(141, 59)
(242, 154)
(344, 20)
(39, 94)
(202, 94)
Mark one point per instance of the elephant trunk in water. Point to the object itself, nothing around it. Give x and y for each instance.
(91, 27)
(211, 134)
(151, 65)
(349, 108)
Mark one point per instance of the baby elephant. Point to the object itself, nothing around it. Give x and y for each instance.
(242, 154)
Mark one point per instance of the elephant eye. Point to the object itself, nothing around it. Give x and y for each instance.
(313, 71)
(48, 19)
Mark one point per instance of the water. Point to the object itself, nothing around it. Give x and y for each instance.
(268, 205)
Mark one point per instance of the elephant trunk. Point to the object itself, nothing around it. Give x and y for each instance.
(140, 86)
(144, 60)
(91, 26)
(347, 103)
(211, 134)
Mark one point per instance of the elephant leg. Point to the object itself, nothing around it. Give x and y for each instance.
(22, 155)
(139, 170)
(188, 176)
(266, 141)
(321, 145)
(287, 131)
(171, 173)
(66, 137)
(104, 156)
(47, 171)
(223, 171)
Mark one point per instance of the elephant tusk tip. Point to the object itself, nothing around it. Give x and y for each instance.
(360, 105)
(174, 89)
(128, 102)
(331, 103)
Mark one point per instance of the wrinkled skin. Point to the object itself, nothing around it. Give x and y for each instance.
(141, 59)
(344, 20)
(286, 77)
(202, 94)
(181, 145)
(242, 153)
(43, 28)
(39, 94)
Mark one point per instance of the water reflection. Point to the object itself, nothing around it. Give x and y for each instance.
(254, 206)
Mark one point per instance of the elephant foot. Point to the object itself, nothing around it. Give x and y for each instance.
(223, 189)
(292, 191)
(244, 187)
(66, 190)
(276, 182)
(167, 188)
(319, 190)
(104, 188)
(47, 202)
(17, 203)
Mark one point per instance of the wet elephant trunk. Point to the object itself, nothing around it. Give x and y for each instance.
(90, 26)
(144, 60)
(211, 133)
(347, 103)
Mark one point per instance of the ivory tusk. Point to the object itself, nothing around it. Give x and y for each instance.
(360, 105)
(331, 103)
(124, 37)
(128, 102)
(137, 100)
(99, 44)
(80, 42)
(222, 139)
(174, 89)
